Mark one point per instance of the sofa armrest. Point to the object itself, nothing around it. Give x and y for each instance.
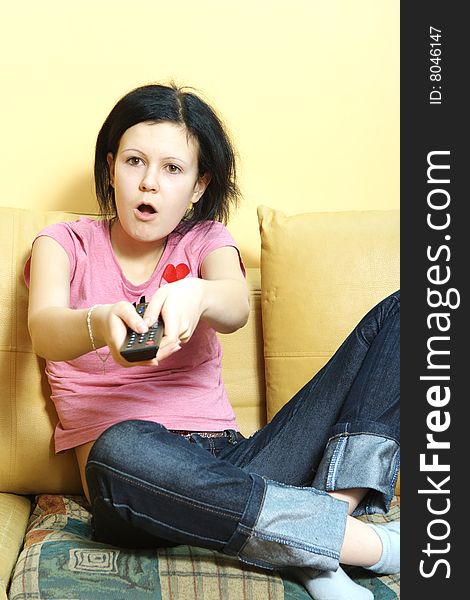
(14, 515)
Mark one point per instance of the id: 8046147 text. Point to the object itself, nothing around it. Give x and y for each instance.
(435, 69)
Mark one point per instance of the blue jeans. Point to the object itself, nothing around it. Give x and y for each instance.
(263, 499)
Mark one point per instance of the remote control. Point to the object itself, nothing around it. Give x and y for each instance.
(142, 346)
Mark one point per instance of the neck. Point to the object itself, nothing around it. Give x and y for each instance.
(137, 260)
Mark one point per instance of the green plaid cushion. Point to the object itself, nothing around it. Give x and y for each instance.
(59, 561)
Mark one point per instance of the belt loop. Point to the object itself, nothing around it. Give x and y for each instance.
(231, 435)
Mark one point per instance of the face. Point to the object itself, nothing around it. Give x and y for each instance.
(155, 178)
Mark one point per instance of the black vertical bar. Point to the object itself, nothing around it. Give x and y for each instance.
(435, 306)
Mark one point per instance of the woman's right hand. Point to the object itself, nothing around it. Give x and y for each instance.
(109, 323)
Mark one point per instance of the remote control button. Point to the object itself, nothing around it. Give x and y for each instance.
(142, 346)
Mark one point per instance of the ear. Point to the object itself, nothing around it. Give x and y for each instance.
(200, 187)
(110, 159)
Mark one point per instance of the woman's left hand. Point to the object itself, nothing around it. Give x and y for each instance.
(180, 305)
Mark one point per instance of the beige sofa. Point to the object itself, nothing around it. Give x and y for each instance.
(319, 273)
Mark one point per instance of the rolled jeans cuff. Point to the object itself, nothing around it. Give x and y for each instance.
(361, 460)
(296, 526)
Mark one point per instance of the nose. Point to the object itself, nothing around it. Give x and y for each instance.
(149, 182)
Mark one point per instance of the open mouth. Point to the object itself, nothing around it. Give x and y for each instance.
(146, 209)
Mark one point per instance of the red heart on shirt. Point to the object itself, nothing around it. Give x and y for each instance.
(172, 273)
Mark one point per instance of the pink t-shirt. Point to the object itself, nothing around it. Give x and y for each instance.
(185, 391)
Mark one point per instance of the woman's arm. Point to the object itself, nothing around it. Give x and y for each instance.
(59, 332)
(226, 301)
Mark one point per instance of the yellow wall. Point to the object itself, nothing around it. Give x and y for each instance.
(308, 88)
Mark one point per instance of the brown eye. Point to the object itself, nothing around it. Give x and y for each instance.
(134, 161)
(173, 169)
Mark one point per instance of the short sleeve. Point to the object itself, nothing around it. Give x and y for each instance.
(63, 234)
(210, 236)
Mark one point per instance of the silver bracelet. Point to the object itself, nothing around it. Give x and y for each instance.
(92, 340)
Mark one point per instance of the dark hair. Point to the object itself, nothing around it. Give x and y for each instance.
(158, 103)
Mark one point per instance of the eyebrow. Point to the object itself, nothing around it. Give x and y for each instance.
(164, 158)
(132, 150)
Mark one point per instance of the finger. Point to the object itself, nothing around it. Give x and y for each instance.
(123, 315)
(126, 311)
(168, 345)
(154, 308)
(185, 336)
(171, 325)
(166, 350)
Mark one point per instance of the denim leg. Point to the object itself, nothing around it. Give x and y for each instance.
(341, 430)
(149, 487)
(361, 454)
(158, 481)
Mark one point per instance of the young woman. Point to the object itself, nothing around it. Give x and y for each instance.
(160, 455)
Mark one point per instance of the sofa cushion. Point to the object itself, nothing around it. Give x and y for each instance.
(243, 364)
(320, 273)
(60, 561)
(27, 420)
(14, 514)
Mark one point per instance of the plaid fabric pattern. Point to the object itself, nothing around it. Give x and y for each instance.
(59, 561)
(188, 572)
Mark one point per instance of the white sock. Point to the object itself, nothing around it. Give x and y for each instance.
(331, 585)
(389, 562)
